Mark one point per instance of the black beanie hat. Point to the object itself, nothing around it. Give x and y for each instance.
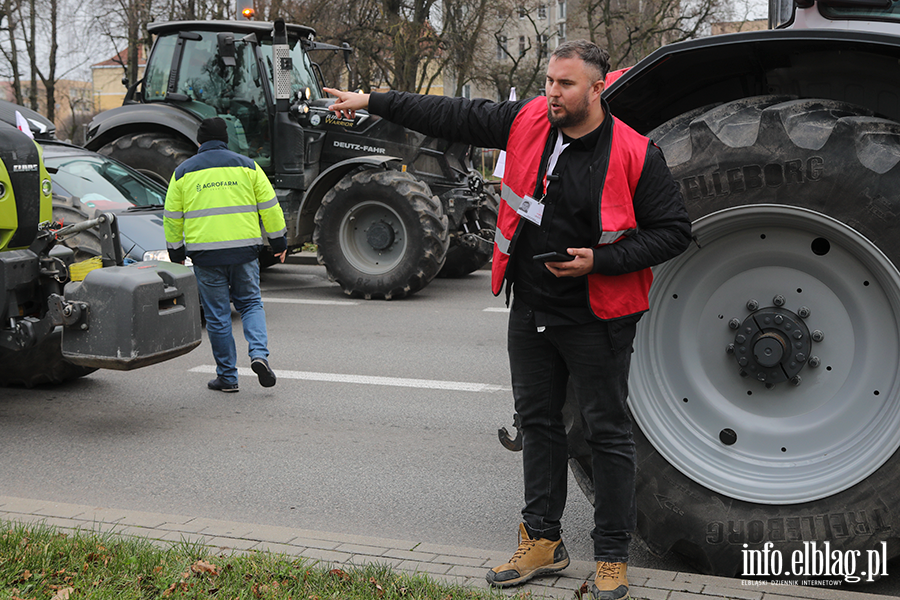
(212, 129)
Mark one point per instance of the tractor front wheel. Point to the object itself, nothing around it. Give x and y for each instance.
(381, 234)
(41, 365)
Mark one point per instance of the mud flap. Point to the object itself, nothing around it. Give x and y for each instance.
(133, 316)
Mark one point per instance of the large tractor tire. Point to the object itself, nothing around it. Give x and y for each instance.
(381, 234)
(765, 385)
(464, 258)
(156, 155)
(68, 211)
(41, 365)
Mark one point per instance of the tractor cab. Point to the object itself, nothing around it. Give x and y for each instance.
(226, 70)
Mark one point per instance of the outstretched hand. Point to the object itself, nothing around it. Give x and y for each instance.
(348, 102)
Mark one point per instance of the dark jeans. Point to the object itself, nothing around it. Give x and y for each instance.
(595, 358)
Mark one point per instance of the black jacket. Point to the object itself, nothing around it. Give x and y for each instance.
(664, 225)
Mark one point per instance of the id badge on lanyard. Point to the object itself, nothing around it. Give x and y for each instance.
(533, 209)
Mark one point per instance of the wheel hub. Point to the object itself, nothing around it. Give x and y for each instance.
(772, 344)
(759, 441)
(380, 235)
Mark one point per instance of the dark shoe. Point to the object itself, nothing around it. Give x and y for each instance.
(533, 558)
(220, 386)
(611, 582)
(265, 373)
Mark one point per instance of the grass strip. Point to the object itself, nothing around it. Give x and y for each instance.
(38, 562)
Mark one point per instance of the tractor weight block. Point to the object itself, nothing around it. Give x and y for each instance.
(136, 315)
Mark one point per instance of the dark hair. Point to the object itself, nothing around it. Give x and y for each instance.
(592, 55)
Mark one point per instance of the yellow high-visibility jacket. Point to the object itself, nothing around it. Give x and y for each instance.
(218, 207)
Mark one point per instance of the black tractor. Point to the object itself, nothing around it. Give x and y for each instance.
(388, 208)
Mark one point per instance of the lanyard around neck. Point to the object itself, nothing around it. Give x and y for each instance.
(554, 157)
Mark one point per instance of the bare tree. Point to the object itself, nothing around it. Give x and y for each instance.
(521, 53)
(631, 29)
(464, 28)
(11, 53)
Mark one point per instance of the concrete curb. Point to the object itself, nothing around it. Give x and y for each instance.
(464, 566)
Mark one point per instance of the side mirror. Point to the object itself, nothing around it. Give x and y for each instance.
(226, 49)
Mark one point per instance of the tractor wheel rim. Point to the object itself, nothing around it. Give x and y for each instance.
(792, 441)
(373, 237)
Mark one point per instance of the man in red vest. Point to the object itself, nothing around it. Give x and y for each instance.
(580, 183)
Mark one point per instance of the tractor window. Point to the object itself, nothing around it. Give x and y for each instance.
(891, 13)
(157, 78)
(302, 76)
(211, 89)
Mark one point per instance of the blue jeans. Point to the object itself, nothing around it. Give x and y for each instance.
(219, 287)
(593, 360)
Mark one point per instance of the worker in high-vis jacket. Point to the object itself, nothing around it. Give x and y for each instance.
(219, 206)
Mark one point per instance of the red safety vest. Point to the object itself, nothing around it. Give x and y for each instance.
(610, 297)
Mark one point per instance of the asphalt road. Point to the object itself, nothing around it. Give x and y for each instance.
(383, 423)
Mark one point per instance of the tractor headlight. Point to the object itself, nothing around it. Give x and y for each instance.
(46, 187)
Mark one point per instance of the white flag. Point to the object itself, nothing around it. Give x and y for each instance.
(501, 160)
(22, 124)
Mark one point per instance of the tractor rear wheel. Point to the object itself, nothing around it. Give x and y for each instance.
(466, 257)
(41, 365)
(381, 234)
(765, 386)
(156, 155)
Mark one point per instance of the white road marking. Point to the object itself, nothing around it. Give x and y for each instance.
(499, 309)
(302, 301)
(430, 384)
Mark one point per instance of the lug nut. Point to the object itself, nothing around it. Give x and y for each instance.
(743, 373)
(779, 319)
(740, 338)
(800, 357)
(778, 300)
(734, 324)
(752, 304)
(798, 335)
(769, 386)
(803, 312)
(730, 349)
(742, 361)
(818, 336)
(761, 376)
(795, 380)
(814, 362)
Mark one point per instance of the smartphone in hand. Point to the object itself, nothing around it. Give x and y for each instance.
(553, 257)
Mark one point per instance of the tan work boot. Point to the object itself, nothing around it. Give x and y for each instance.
(533, 558)
(611, 582)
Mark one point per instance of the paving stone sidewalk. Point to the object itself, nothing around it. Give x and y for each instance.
(466, 566)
